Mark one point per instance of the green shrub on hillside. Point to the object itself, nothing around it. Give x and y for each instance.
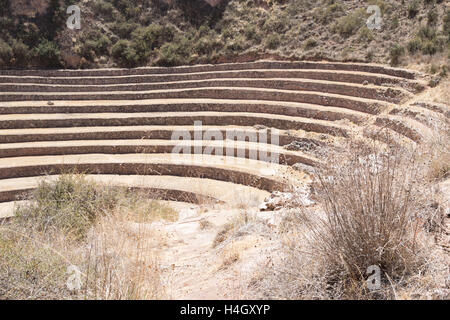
(124, 29)
(47, 53)
(427, 33)
(431, 42)
(94, 44)
(236, 45)
(365, 35)
(21, 53)
(395, 53)
(350, 24)
(53, 20)
(413, 8)
(273, 41)
(125, 55)
(394, 23)
(293, 6)
(414, 45)
(446, 27)
(252, 33)
(6, 53)
(207, 44)
(103, 8)
(101, 45)
(276, 24)
(325, 15)
(175, 53)
(431, 47)
(6, 23)
(310, 43)
(153, 36)
(432, 17)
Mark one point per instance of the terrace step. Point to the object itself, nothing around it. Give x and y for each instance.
(186, 105)
(253, 150)
(310, 97)
(368, 92)
(7, 209)
(336, 76)
(22, 121)
(436, 107)
(337, 66)
(120, 126)
(241, 171)
(205, 189)
(135, 132)
(407, 127)
(432, 119)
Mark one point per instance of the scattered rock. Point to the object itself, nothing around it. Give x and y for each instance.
(301, 146)
(303, 167)
(365, 83)
(50, 103)
(279, 200)
(276, 201)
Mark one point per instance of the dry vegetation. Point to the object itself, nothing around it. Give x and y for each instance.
(376, 208)
(439, 153)
(372, 206)
(102, 231)
(131, 33)
(238, 226)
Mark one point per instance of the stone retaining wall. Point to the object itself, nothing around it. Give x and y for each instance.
(357, 67)
(217, 120)
(192, 171)
(382, 94)
(370, 107)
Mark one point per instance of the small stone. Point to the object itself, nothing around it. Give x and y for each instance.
(365, 83)
(50, 103)
(301, 145)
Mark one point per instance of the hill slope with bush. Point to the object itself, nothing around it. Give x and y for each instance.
(131, 33)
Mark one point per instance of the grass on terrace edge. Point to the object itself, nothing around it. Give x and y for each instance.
(102, 231)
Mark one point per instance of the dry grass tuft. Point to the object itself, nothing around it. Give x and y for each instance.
(74, 224)
(71, 204)
(122, 262)
(205, 224)
(370, 213)
(238, 226)
(230, 256)
(439, 167)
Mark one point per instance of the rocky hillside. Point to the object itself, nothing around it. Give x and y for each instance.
(130, 33)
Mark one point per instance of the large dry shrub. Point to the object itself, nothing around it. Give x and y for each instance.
(372, 209)
(369, 213)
